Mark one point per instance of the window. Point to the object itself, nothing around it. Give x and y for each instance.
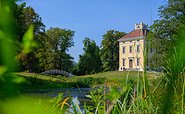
(124, 50)
(138, 61)
(130, 50)
(123, 61)
(138, 48)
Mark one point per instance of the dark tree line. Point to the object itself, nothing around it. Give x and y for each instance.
(51, 47)
(90, 61)
(53, 44)
(105, 58)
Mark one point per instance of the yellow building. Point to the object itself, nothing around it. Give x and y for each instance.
(131, 49)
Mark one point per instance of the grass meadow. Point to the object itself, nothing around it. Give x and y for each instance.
(113, 78)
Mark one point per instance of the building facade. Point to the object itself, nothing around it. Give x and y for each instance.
(131, 49)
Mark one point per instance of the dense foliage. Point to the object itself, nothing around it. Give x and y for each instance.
(25, 17)
(90, 61)
(50, 50)
(95, 60)
(56, 45)
(109, 50)
(51, 46)
(166, 29)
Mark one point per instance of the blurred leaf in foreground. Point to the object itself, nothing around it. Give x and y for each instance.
(25, 106)
(28, 42)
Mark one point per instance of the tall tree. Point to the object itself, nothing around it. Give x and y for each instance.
(90, 61)
(20, 20)
(166, 29)
(52, 45)
(57, 44)
(109, 51)
(65, 44)
(25, 17)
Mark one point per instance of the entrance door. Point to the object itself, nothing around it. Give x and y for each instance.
(130, 63)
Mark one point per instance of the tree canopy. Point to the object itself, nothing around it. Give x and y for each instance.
(166, 30)
(90, 61)
(52, 45)
(25, 17)
(57, 44)
(109, 51)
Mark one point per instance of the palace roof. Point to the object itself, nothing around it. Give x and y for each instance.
(140, 32)
(136, 33)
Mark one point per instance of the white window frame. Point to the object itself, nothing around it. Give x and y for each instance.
(130, 51)
(124, 47)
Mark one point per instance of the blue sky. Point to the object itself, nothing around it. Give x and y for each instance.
(93, 18)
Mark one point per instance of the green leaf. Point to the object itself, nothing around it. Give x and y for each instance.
(89, 96)
(3, 69)
(28, 42)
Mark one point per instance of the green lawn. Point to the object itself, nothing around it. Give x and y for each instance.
(43, 77)
(116, 75)
(35, 81)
